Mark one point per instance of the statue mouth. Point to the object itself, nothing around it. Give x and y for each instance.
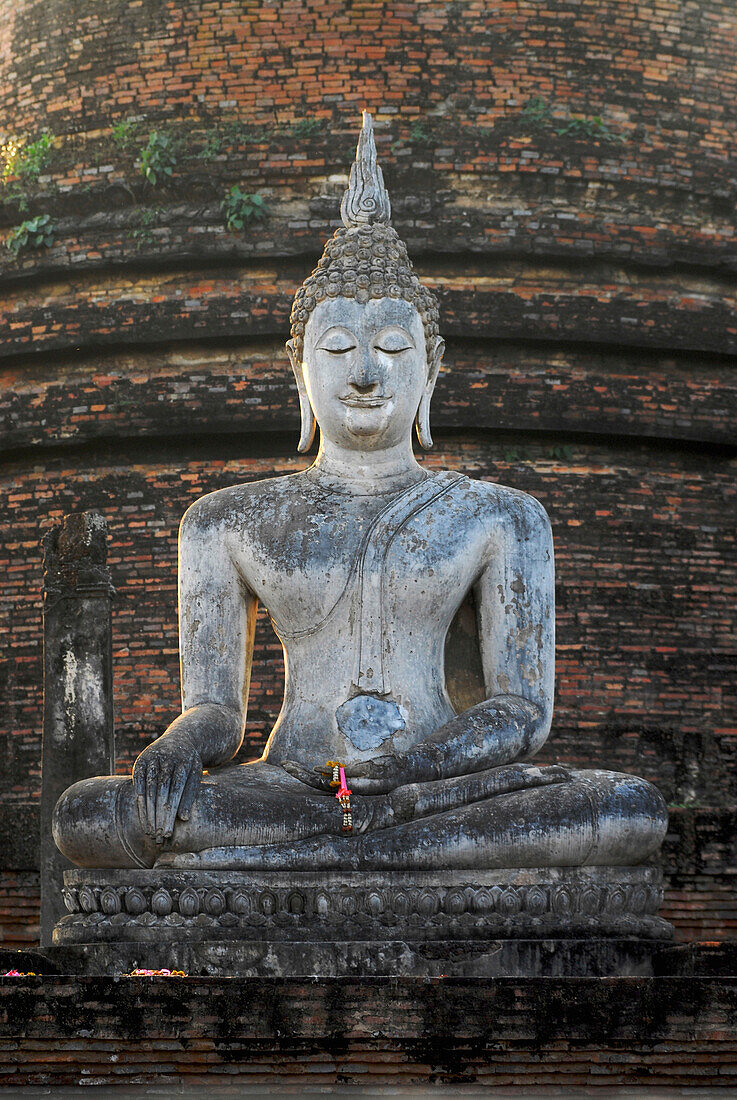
(375, 401)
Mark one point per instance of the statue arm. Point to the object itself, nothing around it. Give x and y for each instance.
(515, 600)
(217, 620)
(515, 610)
(217, 613)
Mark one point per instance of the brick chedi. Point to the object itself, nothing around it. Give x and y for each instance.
(572, 202)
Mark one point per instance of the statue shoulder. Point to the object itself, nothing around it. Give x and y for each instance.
(230, 509)
(511, 508)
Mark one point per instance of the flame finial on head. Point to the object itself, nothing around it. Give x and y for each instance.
(366, 201)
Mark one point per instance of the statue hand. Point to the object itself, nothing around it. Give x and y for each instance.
(166, 779)
(377, 776)
(319, 778)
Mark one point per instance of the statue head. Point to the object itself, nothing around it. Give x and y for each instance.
(365, 347)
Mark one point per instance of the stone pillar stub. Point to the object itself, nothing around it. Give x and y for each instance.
(78, 739)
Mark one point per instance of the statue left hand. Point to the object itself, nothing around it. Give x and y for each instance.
(377, 776)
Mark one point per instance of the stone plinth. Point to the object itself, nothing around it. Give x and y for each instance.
(317, 923)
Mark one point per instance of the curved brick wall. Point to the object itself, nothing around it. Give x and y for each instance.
(584, 253)
(660, 65)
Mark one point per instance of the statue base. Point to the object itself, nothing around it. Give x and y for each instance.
(316, 923)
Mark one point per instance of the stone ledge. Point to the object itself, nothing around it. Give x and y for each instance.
(481, 959)
(551, 958)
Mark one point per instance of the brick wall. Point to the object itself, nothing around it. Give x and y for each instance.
(640, 622)
(584, 253)
(653, 66)
(249, 1034)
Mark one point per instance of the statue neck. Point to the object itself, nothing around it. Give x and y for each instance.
(366, 473)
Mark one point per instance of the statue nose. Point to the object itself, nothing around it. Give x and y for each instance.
(364, 377)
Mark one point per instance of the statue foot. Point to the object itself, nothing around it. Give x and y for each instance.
(184, 861)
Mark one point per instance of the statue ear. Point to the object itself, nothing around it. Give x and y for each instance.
(307, 430)
(423, 411)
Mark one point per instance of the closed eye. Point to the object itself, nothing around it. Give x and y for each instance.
(392, 351)
(339, 351)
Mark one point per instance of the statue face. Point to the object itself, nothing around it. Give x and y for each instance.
(365, 369)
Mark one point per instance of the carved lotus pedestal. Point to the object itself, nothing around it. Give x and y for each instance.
(552, 921)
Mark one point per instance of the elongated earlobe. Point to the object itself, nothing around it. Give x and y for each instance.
(307, 426)
(307, 417)
(422, 422)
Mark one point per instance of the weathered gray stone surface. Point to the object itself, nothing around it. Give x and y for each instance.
(321, 905)
(363, 561)
(322, 923)
(498, 958)
(78, 681)
(593, 956)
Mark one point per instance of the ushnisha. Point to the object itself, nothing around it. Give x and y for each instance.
(362, 561)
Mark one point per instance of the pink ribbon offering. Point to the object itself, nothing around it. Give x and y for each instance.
(343, 791)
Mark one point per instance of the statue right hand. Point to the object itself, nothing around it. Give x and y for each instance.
(166, 779)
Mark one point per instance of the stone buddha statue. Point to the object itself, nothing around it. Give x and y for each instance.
(363, 560)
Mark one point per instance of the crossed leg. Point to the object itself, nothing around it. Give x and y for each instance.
(96, 821)
(258, 817)
(594, 818)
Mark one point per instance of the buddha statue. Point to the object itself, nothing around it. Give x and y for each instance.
(362, 561)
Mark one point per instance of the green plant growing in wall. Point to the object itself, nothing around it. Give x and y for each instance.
(537, 112)
(143, 234)
(215, 141)
(239, 208)
(37, 232)
(588, 127)
(25, 161)
(527, 454)
(560, 452)
(15, 193)
(158, 157)
(232, 133)
(125, 134)
(304, 127)
(517, 454)
(420, 132)
(235, 132)
(33, 158)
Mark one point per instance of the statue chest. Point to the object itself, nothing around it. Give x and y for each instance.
(370, 567)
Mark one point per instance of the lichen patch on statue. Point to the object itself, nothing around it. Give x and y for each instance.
(367, 721)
